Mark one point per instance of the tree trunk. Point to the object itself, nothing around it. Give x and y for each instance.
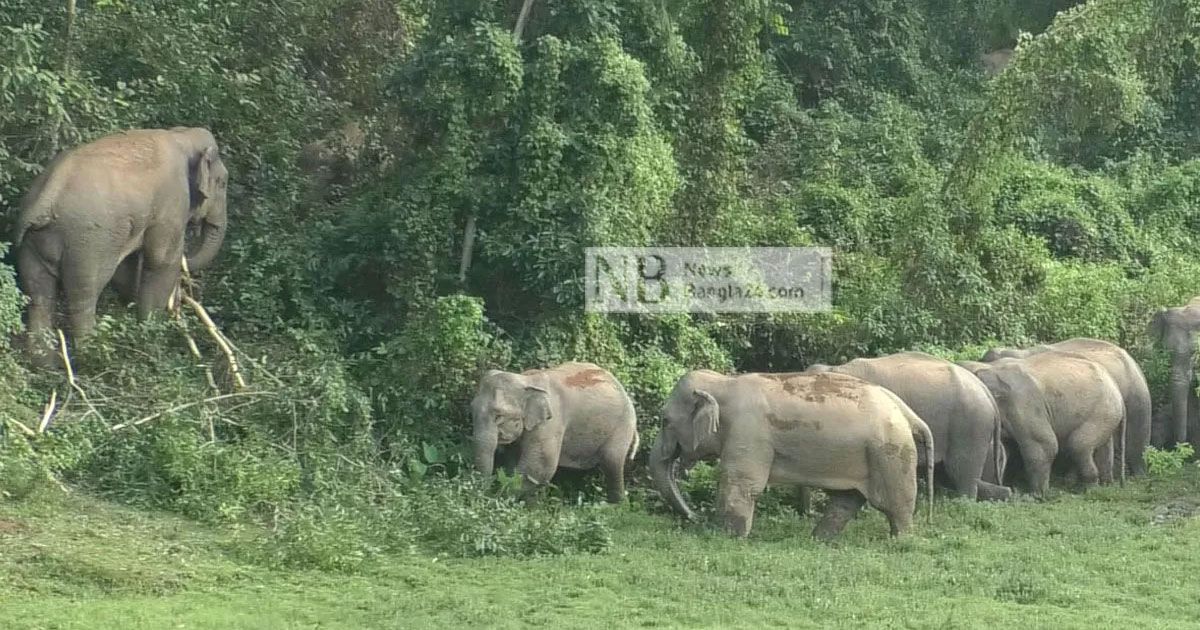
(468, 250)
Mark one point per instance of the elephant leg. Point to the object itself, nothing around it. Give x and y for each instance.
(964, 473)
(841, 507)
(1038, 459)
(1193, 424)
(802, 500)
(125, 280)
(40, 284)
(158, 282)
(737, 493)
(82, 283)
(1105, 458)
(1081, 449)
(993, 492)
(612, 464)
(1181, 394)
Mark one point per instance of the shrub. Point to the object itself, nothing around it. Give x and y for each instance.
(11, 301)
(1163, 462)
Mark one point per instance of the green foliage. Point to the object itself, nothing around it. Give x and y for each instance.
(11, 301)
(1163, 462)
(425, 375)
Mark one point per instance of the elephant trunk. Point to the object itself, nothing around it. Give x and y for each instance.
(1181, 382)
(664, 462)
(212, 235)
(485, 450)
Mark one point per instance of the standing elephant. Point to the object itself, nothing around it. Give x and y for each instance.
(854, 439)
(1175, 329)
(1129, 378)
(126, 200)
(1057, 403)
(574, 415)
(958, 408)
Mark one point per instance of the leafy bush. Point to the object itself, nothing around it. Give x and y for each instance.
(424, 376)
(1163, 462)
(11, 301)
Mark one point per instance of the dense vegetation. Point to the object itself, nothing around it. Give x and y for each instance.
(1059, 198)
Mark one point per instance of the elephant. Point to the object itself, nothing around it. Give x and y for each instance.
(958, 408)
(1175, 329)
(573, 415)
(332, 160)
(119, 206)
(832, 431)
(1056, 403)
(1129, 378)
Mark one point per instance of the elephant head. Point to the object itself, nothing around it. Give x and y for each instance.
(505, 407)
(1175, 329)
(692, 419)
(208, 180)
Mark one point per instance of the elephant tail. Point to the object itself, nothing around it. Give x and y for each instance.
(633, 446)
(997, 447)
(922, 432)
(1120, 463)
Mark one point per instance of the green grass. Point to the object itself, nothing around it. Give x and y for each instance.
(69, 561)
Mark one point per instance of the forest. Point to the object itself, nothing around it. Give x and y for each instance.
(411, 188)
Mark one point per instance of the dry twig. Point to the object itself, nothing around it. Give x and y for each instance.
(220, 340)
(24, 429)
(153, 416)
(66, 359)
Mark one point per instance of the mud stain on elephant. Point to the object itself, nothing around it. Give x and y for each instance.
(816, 387)
(789, 423)
(585, 379)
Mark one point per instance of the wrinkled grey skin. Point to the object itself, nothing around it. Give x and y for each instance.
(1057, 404)
(1129, 378)
(1175, 329)
(856, 440)
(124, 200)
(958, 408)
(574, 415)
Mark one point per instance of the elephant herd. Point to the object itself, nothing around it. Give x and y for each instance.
(864, 432)
(119, 210)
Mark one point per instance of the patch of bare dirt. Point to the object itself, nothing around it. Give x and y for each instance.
(9, 527)
(1175, 510)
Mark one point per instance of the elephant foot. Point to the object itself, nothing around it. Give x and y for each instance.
(841, 508)
(992, 492)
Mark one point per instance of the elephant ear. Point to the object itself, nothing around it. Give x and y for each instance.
(706, 418)
(1158, 325)
(202, 182)
(537, 407)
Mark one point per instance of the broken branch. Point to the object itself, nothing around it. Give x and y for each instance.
(153, 416)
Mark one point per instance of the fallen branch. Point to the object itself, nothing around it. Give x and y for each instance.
(48, 412)
(24, 429)
(153, 416)
(220, 340)
(256, 363)
(66, 359)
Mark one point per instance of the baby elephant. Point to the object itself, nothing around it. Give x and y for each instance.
(575, 415)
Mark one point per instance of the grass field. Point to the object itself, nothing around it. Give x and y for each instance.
(1117, 555)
